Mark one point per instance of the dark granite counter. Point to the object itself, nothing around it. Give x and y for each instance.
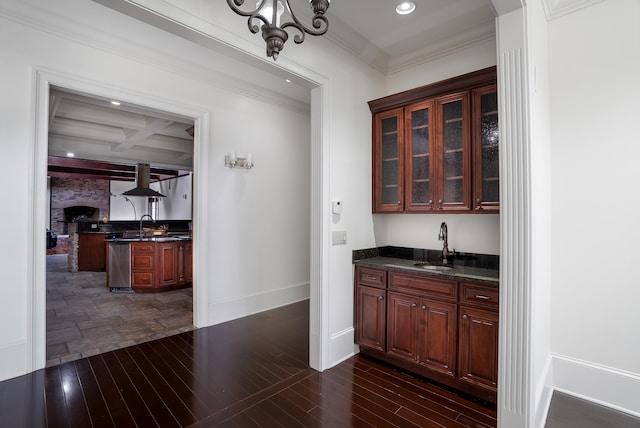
(475, 267)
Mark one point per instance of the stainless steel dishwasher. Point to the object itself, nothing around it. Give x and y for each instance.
(119, 272)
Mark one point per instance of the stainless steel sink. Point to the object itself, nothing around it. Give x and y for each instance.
(432, 267)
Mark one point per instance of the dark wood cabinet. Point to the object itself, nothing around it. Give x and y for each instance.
(142, 265)
(371, 322)
(486, 177)
(435, 148)
(158, 266)
(167, 259)
(437, 336)
(92, 252)
(478, 336)
(439, 328)
(388, 161)
(478, 347)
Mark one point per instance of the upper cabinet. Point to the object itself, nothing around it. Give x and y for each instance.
(435, 148)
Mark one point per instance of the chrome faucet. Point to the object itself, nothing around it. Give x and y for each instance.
(141, 218)
(444, 236)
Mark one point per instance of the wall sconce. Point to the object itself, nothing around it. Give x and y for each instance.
(235, 161)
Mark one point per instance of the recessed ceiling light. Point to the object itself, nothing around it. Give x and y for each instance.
(288, 80)
(70, 155)
(115, 103)
(405, 8)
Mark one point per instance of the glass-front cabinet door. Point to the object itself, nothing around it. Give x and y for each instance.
(419, 152)
(454, 157)
(486, 192)
(388, 186)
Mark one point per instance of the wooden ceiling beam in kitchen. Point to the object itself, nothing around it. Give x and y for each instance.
(98, 170)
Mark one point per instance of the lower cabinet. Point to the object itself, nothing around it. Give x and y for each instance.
(92, 252)
(441, 329)
(158, 266)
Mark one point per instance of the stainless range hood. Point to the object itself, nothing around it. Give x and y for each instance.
(143, 174)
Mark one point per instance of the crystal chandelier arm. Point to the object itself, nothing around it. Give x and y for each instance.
(252, 14)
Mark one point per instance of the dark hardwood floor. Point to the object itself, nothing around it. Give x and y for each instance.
(251, 372)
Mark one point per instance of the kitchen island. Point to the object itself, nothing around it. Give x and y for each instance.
(149, 265)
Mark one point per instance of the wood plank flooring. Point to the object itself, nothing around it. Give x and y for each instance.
(251, 372)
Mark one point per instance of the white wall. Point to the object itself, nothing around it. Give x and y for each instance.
(121, 208)
(467, 233)
(595, 293)
(261, 216)
(178, 201)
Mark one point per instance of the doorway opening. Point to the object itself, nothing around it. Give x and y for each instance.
(93, 147)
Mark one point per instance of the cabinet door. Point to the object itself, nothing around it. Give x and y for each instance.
(486, 192)
(167, 267)
(419, 153)
(370, 317)
(402, 322)
(92, 252)
(454, 153)
(388, 186)
(437, 336)
(478, 347)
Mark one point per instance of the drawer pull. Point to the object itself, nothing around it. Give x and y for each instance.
(373, 278)
(414, 305)
(380, 297)
(424, 308)
(481, 297)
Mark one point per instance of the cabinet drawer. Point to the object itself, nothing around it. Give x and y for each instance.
(141, 247)
(142, 261)
(142, 279)
(433, 287)
(372, 277)
(480, 295)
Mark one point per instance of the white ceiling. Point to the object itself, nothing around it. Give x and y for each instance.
(93, 128)
(372, 29)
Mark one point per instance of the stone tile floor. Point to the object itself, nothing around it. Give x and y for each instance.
(84, 318)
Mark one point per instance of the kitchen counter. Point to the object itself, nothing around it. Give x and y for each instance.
(457, 272)
(151, 239)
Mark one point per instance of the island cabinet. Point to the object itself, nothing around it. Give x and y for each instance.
(438, 328)
(159, 266)
(435, 147)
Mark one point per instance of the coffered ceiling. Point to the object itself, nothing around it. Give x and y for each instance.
(91, 137)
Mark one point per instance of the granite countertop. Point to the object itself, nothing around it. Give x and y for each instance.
(456, 273)
(151, 239)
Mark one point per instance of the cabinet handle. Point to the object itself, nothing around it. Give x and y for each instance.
(414, 305)
(439, 204)
(373, 278)
(431, 203)
(464, 317)
(380, 297)
(478, 204)
(481, 297)
(398, 203)
(424, 308)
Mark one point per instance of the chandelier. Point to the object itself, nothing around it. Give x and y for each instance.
(269, 12)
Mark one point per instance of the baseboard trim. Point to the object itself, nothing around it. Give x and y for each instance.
(341, 346)
(14, 360)
(230, 309)
(544, 392)
(600, 384)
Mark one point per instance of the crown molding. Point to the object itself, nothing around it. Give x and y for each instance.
(557, 8)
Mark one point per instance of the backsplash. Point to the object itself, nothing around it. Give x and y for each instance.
(486, 261)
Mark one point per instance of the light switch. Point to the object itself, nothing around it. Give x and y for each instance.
(339, 237)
